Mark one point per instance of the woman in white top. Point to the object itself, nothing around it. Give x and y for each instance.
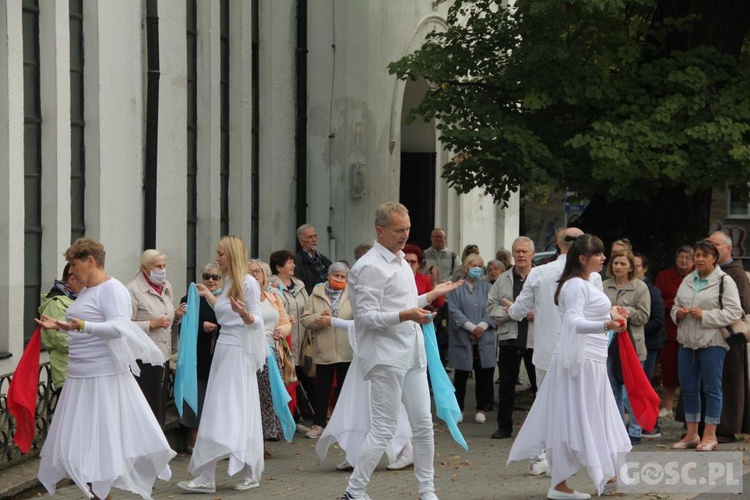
(231, 424)
(104, 434)
(575, 417)
(277, 327)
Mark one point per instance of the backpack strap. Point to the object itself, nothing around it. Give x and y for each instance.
(721, 291)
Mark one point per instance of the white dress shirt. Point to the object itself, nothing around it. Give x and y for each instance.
(538, 295)
(381, 284)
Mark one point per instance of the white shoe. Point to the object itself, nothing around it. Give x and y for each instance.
(538, 467)
(480, 418)
(430, 495)
(197, 488)
(461, 418)
(554, 494)
(247, 484)
(345, 465)
(315, 432)
(401, 463)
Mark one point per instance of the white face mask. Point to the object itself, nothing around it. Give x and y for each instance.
(158, 276)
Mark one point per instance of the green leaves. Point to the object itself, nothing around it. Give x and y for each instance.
(598, 95)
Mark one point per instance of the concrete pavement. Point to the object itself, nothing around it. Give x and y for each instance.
(294, 470)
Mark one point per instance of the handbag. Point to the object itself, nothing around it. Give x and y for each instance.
(306, 352)
(737, 331)
(288, 371)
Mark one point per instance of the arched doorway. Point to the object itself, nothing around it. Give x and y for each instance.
(418, 162)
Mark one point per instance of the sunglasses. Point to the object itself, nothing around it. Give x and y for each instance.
(215, 277)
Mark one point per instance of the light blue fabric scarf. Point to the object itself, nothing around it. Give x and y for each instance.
(186, 375)
(280, 397)
(446, 404)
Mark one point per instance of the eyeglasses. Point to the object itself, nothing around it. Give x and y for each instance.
(215, 277)
(412, 262)
(256, 271)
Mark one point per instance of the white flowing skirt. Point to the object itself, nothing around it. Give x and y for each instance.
(104, 433)
(576, 420)
(350, 421)
(231, 423)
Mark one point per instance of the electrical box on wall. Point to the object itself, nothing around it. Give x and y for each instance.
(358, 179)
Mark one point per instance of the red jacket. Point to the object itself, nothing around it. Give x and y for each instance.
(668, 281)
(424, 285)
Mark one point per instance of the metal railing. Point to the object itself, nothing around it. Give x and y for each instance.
(46, 401)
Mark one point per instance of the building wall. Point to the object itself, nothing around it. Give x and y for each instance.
(354, 117)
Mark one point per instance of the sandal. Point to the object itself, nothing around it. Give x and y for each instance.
(709, 446)
(683, 445)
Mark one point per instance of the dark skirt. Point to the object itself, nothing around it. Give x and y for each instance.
(735, 410)
(271, 424)
(153, 384)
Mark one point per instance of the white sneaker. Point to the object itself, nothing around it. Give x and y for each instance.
(401, 463)
(345, 465)
(247, 484)
(480, 418)
(554, 494)
(197, 488)
(430, 495)
(538, 467)
(315, 432)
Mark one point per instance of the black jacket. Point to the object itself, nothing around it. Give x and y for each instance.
(305, 270)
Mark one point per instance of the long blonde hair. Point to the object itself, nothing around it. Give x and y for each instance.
(236, 251)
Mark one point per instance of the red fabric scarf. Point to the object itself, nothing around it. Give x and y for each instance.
(22, 393)
(643, 399)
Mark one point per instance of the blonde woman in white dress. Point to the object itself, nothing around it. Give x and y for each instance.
(574, 417)
(230, 425)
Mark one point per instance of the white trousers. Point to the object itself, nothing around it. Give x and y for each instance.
(390, 386)
(207, 474)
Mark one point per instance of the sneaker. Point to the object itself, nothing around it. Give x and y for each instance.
(653, 434)
(480, 418)
(430, 495)
(247, 484)
(197, 488)
(348, 496)
(345, 465)
(664, 413)
(401, 463)
(315, 432)
(634, 440)
(538, 467)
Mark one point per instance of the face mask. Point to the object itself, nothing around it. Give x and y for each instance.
(158, 276)
(475, 273)
(337, 284)
(217, 292)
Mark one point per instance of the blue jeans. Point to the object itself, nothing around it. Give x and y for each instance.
(694, 365)
(648, 365)
(623, 404)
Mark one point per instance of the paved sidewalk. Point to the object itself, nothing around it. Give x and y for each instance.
(295, 472)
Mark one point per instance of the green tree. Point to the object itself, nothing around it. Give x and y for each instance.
(642, 106)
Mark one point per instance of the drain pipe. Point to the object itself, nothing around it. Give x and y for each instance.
(152, 124)
(300, 136)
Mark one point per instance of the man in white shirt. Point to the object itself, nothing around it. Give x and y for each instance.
(390, 349)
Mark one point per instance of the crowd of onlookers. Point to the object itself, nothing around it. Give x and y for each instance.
(673, 322)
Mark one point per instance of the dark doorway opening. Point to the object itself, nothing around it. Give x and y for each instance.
(417, 193)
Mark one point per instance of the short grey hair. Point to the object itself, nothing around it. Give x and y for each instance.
(264, 267)
(210, 266)
(303, 228)
(495, 262)
(725, 237)
(523, 239)
(684, 249)
(384, 212)
(338, 267)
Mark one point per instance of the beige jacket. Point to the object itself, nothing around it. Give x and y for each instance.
(634, 297)
(148, 305)
(331, 344)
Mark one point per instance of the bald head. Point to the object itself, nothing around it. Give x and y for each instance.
(564, 246)
(723, 243)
